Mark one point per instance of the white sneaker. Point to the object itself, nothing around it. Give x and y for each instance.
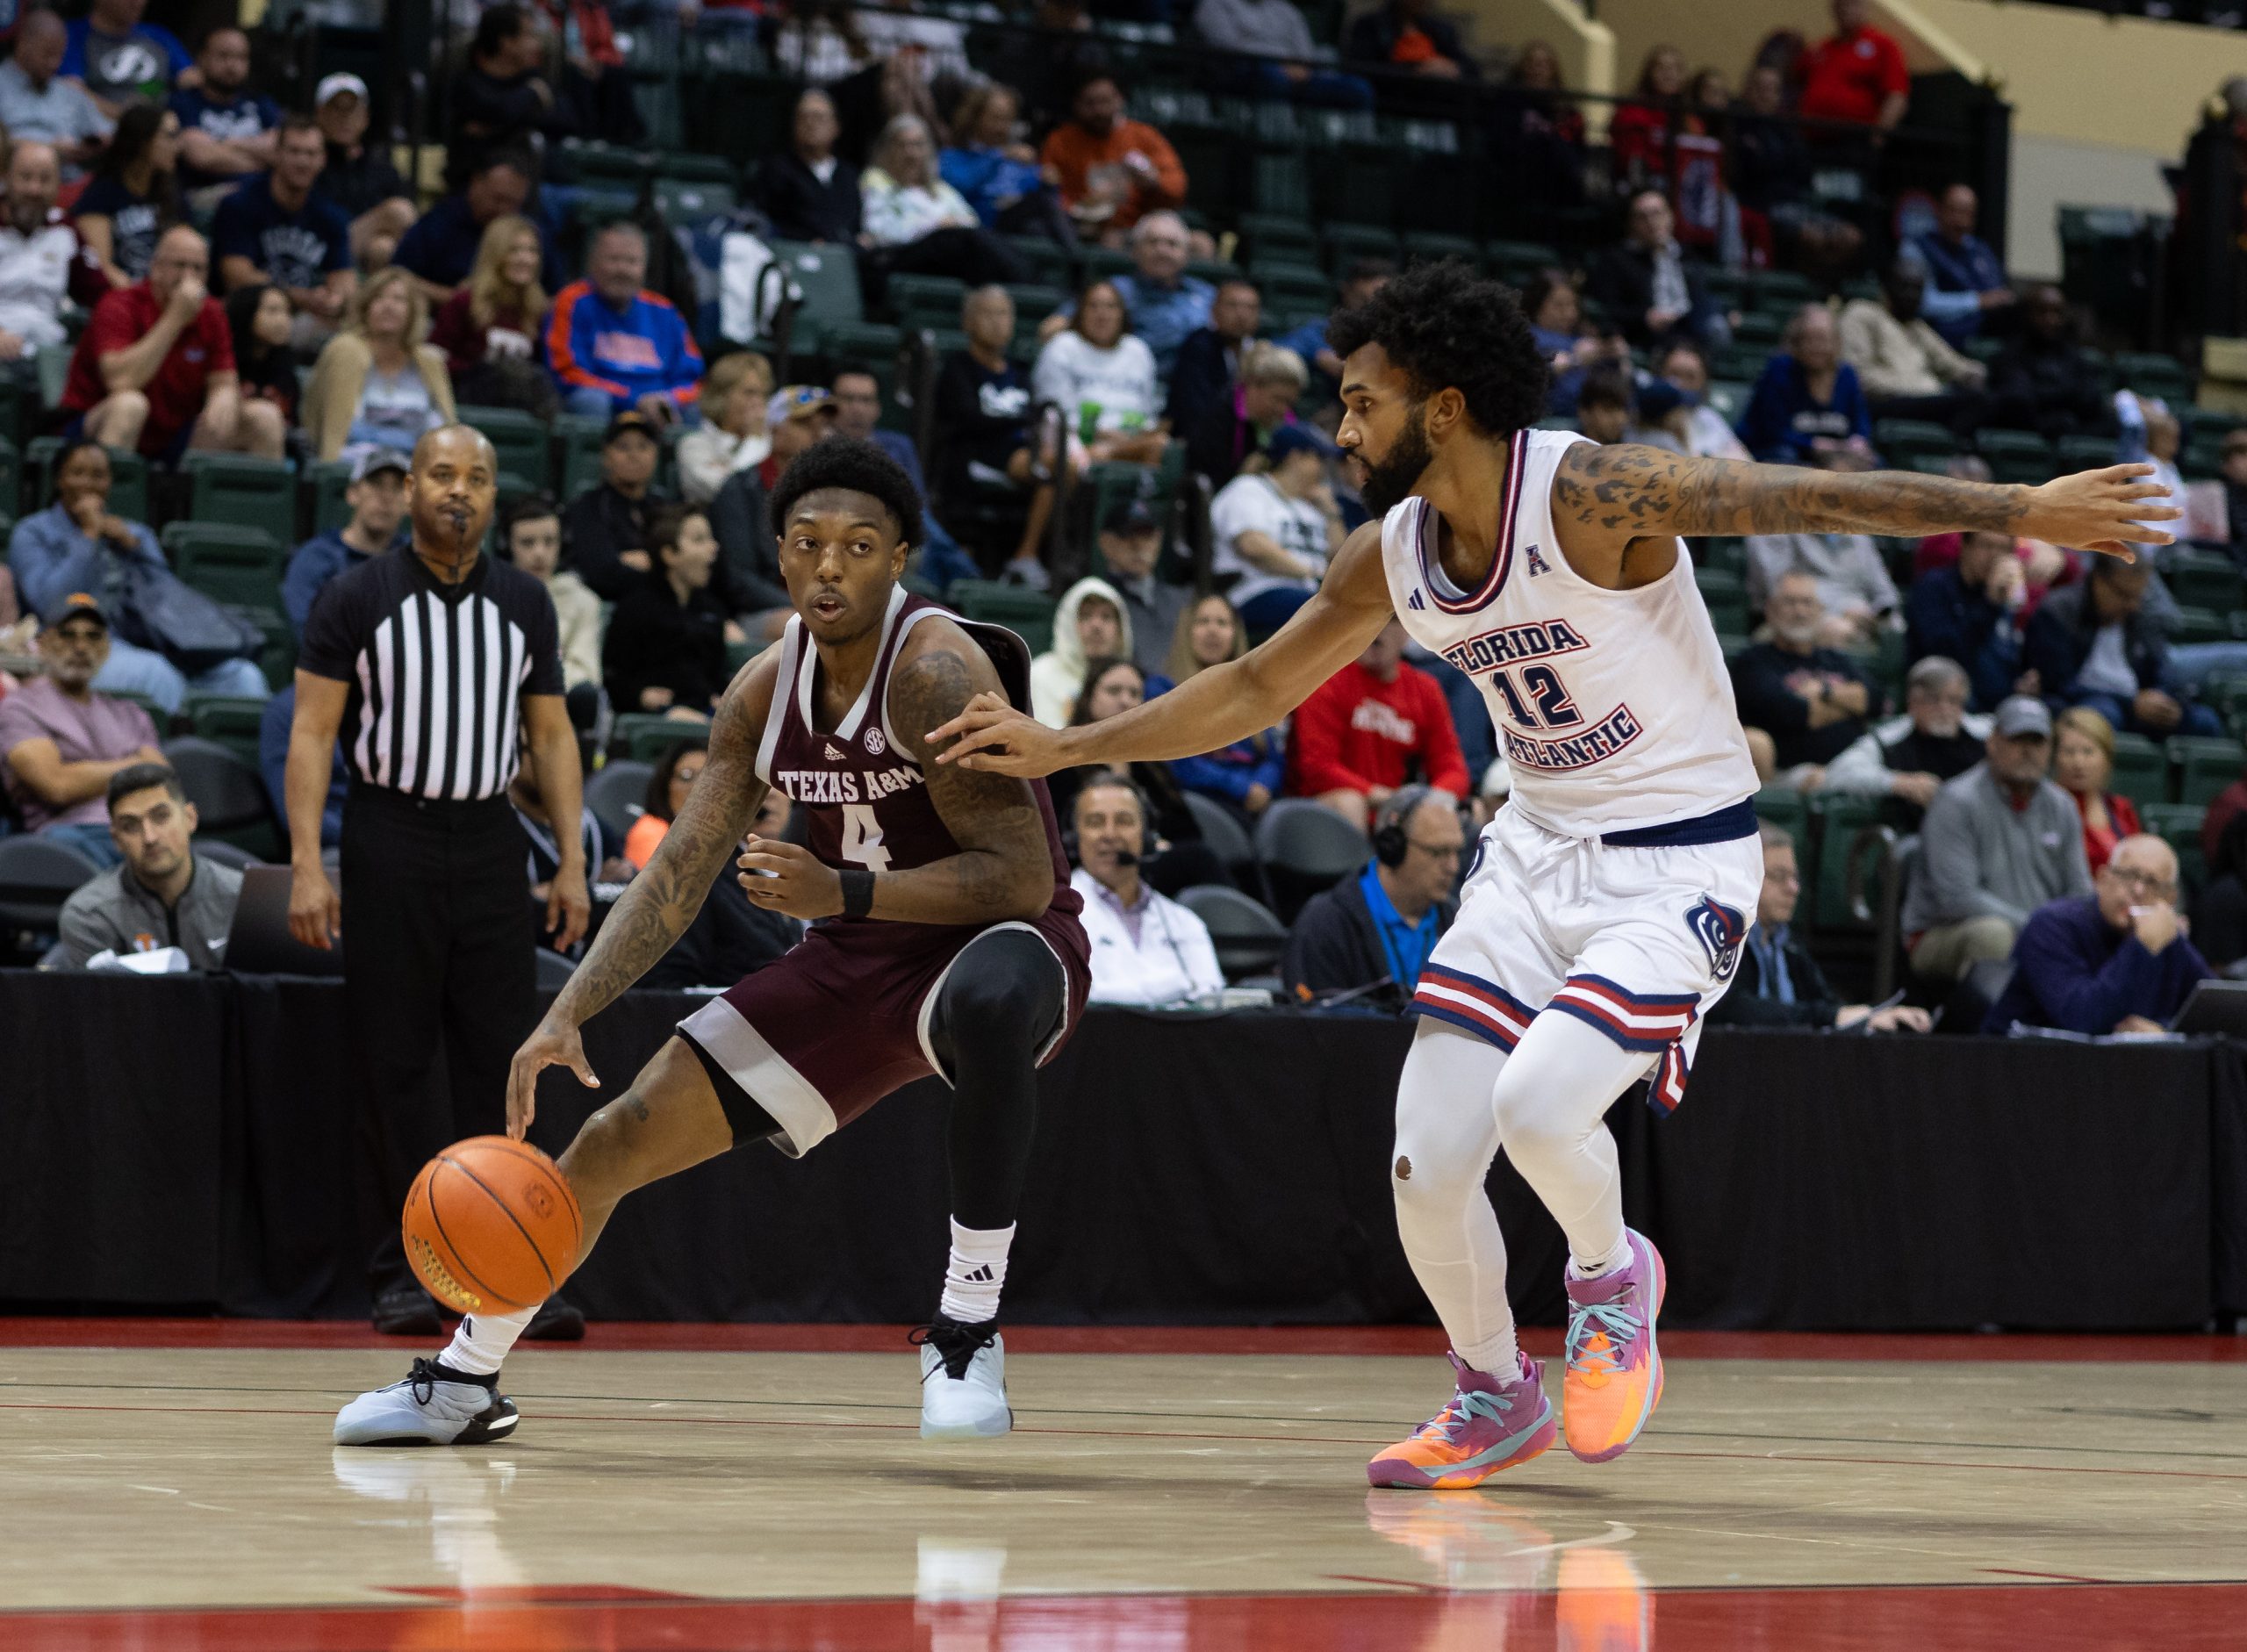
(962, 1382)
(436, 1406)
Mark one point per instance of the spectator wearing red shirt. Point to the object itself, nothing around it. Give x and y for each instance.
(1376, 725)
(155, 368)
(1858, 75)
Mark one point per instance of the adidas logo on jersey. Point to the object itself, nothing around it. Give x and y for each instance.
(1536, 563)
(1416, 600)
(833, 756)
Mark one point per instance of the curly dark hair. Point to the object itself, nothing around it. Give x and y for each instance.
(860, 466)
(1442, 324)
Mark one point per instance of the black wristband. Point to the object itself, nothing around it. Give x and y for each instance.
(858, 892)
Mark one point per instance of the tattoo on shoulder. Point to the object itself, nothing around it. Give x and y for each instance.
(925, 692)
(980, 808)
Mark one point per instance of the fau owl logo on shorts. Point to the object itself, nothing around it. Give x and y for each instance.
(1721, 930)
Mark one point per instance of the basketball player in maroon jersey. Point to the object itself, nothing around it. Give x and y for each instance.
(944, 939)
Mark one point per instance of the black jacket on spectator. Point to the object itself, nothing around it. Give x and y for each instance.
(1759, 682)
(1220, 441)
(1622, 281)
(488, 113)
(1745, 1005)
(729, 939)
(1944, 614)
(598, 526)
(801, 208)
(655, 640)
(2061, 632)
(2045, 384)
(1770, 163)
(1537, 142)
(1372, 37)
(1335, 946)
(981, 419)
(361, 185)
(1199, 379)
(747, 578)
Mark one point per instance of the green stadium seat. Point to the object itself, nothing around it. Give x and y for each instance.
(1726, 593)
(227, 562)
(1901, 441)
(2083, 452)
(1216, 271)
(578, 438)
(1051, 264)
(1727, 553)
(1782, 806)
(2204, 579)
(1423, 246)
(1289, 287)
(2179, 824)
(2150, 374)
(1784, 290)
(1841, 818)
(827, 279)
(919, 301)
(1279, 185)
(1344, 244)
(231, 722)
(1279, 239)
(690, 200)
(2205, 765)
(1102, 263)
(644, 736)
(524, 443)
(2018, 455)
(2200, 625)
(157, 715)
(1028, 613)
(233, 487)
(1729, 397)
(1761, 328)
(2141, 769)
(325, 482)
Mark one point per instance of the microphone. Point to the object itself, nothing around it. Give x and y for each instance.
(1125, 857)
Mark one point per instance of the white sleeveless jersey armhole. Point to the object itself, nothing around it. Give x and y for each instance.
(1613, 707)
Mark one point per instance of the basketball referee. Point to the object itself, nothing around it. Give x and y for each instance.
(424, 659)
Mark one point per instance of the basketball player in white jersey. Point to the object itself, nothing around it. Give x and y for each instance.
(1607, 901)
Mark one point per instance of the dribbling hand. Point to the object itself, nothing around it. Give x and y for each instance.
(555, 1043)
(991, 735)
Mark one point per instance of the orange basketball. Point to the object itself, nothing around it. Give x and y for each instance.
(490, 1225)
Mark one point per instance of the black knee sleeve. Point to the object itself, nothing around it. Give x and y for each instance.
(1001, 1002)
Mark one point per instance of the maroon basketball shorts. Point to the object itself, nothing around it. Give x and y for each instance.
(842, 1019)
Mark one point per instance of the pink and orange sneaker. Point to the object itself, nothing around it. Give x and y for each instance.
(1491, 1424)
(1615, 1372)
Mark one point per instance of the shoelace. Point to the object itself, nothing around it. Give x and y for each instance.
(1466, 1406)
(423, 1380)
(957, 1346)
(1620, 1327)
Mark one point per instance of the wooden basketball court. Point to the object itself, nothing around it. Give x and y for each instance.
(765, 1487)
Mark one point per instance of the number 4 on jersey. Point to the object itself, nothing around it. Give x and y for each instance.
(862, 838)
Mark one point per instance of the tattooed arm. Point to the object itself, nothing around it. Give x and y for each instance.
(1003, 869)
(1605, 500)
(662, 900)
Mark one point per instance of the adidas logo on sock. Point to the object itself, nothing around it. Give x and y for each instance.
(981, 1276)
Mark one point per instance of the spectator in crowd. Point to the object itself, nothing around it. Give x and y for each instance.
(376, 496)
(1277, 34)
(1246, 775)
(1105, 377)
(1047, 62)
(1650, 291)
(857, 398)
(1970, 611)
(1146, 949)
(1548, 298)
(1088, 624)
(161, 894)
(2041, 381)
(530, 536)
(61, 740)
(1376, 725)
(117, 57)
(489, 329)
(596, 98)
(379, 381)
(1607, 411)
(1111, 171)
(1163, 302)
(155, 368)
(359, 179)
(1375, 931)
(77, 543)
(2098, 644)
(133, 197)
(501, 100)
(1130, 542)
(1210, 358)
(730, 938)
(1407, 34)
(1777, 982)
(806, 191)
(605, 530)
(543, 841)
(1362, 278)
(1809, 701)
(273, 726)
(273, 228)
(43, 264)
(666, 644)
(260, 324)
(1908, 757)
(1537, 134)
(2083, 763)
(1808, 407)
(226, 131)
(1857, 597)
(2114, 960)
(441, 248)
(1705, 435)
(1966, 279)
(983, 424)
(673, 778)
(38, 102)
(1907, 368)
(2219, 915)
(1858, 73)
(998, 174)
(1176, 857)
(917, 224)
(614, 345)
(732, 436)
(1998, 842)
(1274, 531)
(1637, 134)
(2234, 476)
(1240, 429)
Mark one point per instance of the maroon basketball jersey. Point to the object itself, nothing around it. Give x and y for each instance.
(865, 797)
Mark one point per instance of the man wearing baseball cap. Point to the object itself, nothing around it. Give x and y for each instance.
(1275, 529)
(2000, 841)
(1130, 540)
(359, 180)
(376, 496)
(605, 528)
(60, 741)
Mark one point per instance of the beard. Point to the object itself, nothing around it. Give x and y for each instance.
(1391, 478)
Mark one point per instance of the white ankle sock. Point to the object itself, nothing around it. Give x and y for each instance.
(1498, 1356)
(1615, 1258)
(977, 1273)
(483, 1340)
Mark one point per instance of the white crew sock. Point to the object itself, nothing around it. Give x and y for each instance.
(483, 1340)
(977, 1273)
(1615, 1258)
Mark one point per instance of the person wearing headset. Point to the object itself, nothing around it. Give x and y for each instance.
(1146, 949)
(1370, 935)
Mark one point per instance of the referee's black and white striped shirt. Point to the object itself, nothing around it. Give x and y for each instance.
(437, 672)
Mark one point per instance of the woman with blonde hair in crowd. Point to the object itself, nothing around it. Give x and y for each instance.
(1246, 775)
(378, 382)
(917, 224)
(732, 434)
(488, 329)
(2083, 762)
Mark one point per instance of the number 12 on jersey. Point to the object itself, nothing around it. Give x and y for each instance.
(862, 838)
(1539, 702)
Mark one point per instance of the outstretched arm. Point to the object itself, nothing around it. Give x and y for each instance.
(1606, 497)
(1210, 709)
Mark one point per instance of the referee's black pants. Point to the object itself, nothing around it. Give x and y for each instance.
(438, 987)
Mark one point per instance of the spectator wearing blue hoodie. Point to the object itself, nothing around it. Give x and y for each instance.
(615, 347)
(996, 172)
(1808, 407)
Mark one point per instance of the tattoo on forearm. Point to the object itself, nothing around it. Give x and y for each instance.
(1634, 490)
(993, 817)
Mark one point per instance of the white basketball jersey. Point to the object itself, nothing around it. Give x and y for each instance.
(1613, 707)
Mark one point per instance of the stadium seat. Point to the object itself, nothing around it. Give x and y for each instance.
(1222, 830)
(1726, 593)
(233, 487)
(687, 201)
(578, 438)
(1288, 288)
(1427, 246)
(1051, 264)
(1901, 441)
(2204, 579)
(1278, 239)
(2200, 625)
(524, 443)
(1345, 243)
(645, 735)
(1783, 806)
(929, 301)
(225, 719)
(1840, 819)
(827, 279)
(325, 482)
(2018, 455)
(1248, 938)
(2205, 765)
(230, 563)
(2083, 452)
(1306, 847)
(2141, 771)
(2179, 824)
(37, 875)
(616, 792)
(1027, 614)
(228, 795)
(2154, 375)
